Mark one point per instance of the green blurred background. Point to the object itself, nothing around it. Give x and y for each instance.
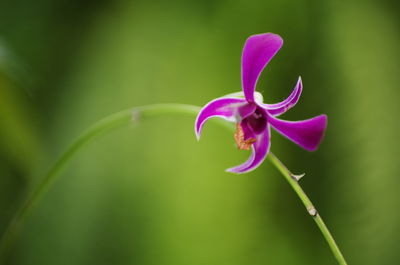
(150, 193)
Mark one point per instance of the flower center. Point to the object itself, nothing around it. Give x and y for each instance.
(257, 121)
(253, 125)
(241, 143)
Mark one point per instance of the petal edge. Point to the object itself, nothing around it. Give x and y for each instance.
(258, 50)
(283, 106)
(260, 150)
(229, 109)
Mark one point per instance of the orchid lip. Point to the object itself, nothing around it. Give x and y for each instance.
(257, 121)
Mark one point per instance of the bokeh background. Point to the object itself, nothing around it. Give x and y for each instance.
(150, 193)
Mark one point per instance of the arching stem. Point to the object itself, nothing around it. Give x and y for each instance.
(123, 118)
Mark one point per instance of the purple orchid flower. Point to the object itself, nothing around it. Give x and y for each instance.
(253, 118)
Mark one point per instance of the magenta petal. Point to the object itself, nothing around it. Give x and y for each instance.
(230, 109)
(247, 131)
(289, 102)
(307, 133)
(257, 52)
(259, 151)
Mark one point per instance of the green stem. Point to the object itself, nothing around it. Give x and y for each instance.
(123, 118)
(294, 182)
(110, 122)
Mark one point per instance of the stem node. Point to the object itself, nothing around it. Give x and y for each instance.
(312, 211)
(135, 115)
(297, 177)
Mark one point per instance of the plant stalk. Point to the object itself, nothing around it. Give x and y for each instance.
(131, 116)
(294, 182)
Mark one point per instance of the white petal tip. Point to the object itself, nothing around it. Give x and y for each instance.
(197, 133)
(230, 170)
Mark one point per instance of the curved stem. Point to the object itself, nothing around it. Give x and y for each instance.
(123, 118)
(110, 122)
(294, 182)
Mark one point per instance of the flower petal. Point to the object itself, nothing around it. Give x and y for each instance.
(259, 151)
(247, 131)
(231, 109)
(281, 107)
(257, 52)
(307, 133)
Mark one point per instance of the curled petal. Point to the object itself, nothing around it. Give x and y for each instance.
(281, 107)
(231, 109)
(307, 133)
(257, 52)
(260, 150)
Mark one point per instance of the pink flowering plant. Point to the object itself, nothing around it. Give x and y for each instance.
(246, 109)
(254, 118)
